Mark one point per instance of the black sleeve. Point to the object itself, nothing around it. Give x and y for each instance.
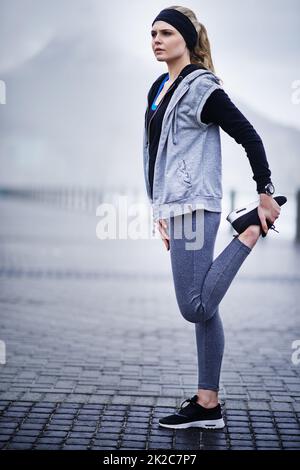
(220, 110)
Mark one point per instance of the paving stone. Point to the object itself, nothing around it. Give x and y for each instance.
(78, 441)
(47, 447)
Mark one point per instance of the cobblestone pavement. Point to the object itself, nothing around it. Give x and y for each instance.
(97, 349)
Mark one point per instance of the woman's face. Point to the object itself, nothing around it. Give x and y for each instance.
(169, 40)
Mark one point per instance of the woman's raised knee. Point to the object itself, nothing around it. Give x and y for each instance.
(193, 312)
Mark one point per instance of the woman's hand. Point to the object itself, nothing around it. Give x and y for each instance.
(162, 227)
(267, 209)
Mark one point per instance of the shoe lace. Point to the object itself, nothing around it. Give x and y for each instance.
(189, 401)
(273, 228)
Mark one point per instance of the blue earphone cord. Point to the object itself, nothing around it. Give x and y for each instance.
(154, 106)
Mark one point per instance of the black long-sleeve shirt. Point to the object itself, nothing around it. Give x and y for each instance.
(218, 109)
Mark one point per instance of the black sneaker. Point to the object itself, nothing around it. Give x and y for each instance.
(241, 218)
(194, 415)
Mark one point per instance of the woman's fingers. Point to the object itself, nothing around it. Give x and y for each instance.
(268, 210)
(167, 244)
(163, 223)
(275, 214)
(262, 219)
(163, 233)
(265, 215)
(162, 226)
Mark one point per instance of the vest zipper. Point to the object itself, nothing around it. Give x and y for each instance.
(148, 135)
(148, 128)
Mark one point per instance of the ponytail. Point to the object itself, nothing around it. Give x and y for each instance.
(201, 54)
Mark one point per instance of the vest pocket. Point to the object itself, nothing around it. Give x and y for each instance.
(177, 185)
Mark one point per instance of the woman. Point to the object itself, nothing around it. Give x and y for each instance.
(182, 169)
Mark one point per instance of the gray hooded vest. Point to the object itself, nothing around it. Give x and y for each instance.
(188, 165)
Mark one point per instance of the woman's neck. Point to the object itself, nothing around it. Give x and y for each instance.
(175, 68)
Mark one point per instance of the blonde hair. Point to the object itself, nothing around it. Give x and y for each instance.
(201, 53)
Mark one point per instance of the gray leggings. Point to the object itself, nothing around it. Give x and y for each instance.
(200, 284)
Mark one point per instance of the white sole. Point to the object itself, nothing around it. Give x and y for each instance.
(232, 216)
(209, 424)
(241, 211)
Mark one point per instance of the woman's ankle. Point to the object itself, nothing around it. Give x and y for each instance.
(206, 404)
(207, 398)
(250, 236)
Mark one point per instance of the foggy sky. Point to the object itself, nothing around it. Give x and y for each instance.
(77, 73)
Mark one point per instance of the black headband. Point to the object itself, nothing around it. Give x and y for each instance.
(182, 23)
